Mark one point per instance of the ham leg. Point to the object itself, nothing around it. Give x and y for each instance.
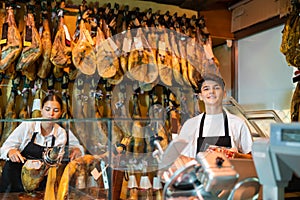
(83, 55)
(45, 64)
(61, 49)
(31, 49)
(12, 48)
(10, 113)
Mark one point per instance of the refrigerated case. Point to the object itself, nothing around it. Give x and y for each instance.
(258, 120)
(101, 173)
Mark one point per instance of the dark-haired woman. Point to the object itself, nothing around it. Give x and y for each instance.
(29, 140)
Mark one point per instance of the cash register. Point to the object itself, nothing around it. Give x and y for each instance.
(277, 159)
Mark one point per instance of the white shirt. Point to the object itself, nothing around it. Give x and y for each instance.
(74, 142)
(22, 135)
(239, 133)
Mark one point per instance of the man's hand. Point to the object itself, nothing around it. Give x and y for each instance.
(75, 153)
(15, 156)
(241, 155)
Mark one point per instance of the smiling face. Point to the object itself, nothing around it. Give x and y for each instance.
(212, 94)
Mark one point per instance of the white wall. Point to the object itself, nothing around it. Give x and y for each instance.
(264, 78)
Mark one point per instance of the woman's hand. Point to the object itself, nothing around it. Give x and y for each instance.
(15, 156)
(75, 153)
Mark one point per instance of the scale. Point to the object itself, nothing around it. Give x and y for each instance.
(277, 158)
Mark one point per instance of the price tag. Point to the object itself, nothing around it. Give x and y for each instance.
(95, 173)
(3, 41)
(4, 33)
(26, 43)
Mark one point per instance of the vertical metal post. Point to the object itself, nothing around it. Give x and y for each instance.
(110, 149)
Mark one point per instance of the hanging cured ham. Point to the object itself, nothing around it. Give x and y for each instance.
(24, 113)
(152, 38)
(45, 64)
(77, 109)
(290, 38)
(290, 48)
(116, 45)
(101, 125)
(11, 41)
(83, 55)
(58, 72)
(10, 113)
(117, 133)
(107, 62)
(32, 49)
(194, 64)
(88, 99)
(142, 65)
(156, 112)
(138, 128)
(164, 59)
(183, 60)
(66, 99)
(126, 46)
(100, 37)
(101, 133)
(61, 51)
(1, 113)
(176, 60)
(121, 112)
(210, 63)
(36, 105)
(2, 18)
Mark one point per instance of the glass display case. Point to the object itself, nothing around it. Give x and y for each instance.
(117, 161)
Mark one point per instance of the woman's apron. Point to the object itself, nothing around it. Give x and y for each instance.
(11, 174)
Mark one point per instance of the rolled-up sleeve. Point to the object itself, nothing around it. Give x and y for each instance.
(246, 140)
(16, 140)
(74, 142)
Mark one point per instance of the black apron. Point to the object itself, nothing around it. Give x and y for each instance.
(11, 174)
(224, 141)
